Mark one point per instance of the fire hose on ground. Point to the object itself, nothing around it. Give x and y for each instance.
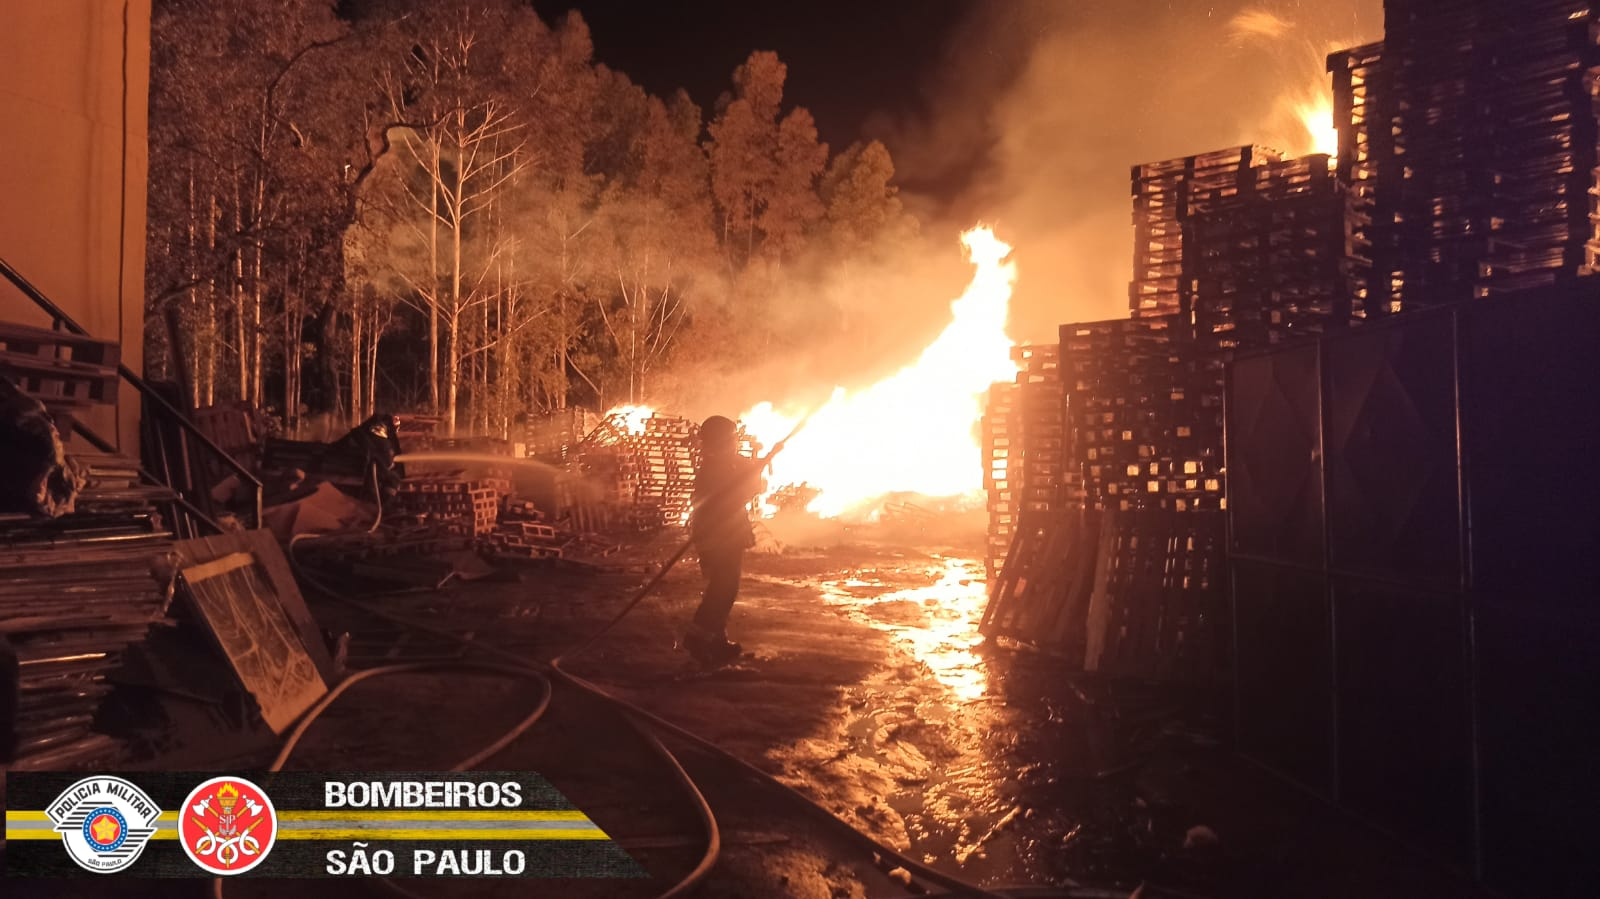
(516, 666)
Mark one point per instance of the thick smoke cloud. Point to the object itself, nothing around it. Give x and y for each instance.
(1043, 105)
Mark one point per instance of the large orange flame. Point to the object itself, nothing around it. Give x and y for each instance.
(915, 431)
(1315, 112)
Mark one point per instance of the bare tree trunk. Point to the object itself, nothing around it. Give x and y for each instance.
(455, 295)
(256, 287)
(433, 282)
(452, 325)
(505, 381)
(192, 295)
(212, 333)
(291, 350)
(372, 362)
(242, 350)
(562, 335)
(255, 330)
(482, 399)
(291, 359)
(356, 404)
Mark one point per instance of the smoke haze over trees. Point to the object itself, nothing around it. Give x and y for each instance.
(453, 205)
(449, 205)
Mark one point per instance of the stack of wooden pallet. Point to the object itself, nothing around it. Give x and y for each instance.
(1144, 414)
(1163, 266)
(524, 540)
(1024, 445)
(1039, 426)
(1274, 257)
(1247, 246)
(1050, 574)
(1160, 611)
(1362, 111)
(75, 592)
(64, 371)
(1002, 472)
(1489, 183)
(1130, 594)
(648, 465)
(472, 506)
(555, 436)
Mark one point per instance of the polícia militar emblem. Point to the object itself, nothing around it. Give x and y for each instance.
(104, 822)
(227, 825)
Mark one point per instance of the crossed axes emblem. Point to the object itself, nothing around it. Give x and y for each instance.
(227, 842)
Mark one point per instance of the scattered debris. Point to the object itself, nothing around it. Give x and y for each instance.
(326, 509)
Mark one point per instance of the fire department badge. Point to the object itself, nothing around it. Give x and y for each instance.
(227, 825)
(104, 822)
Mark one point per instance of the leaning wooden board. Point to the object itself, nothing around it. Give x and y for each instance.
(264, 547)
(255, 613)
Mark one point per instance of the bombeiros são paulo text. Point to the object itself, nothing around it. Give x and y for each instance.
(380, 794)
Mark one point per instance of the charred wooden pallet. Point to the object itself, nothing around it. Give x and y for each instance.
(645, 466)
(1039, 427)
(1002, 472)
(1126, 594)
(555, 436)
(1143, 415)
(1042, 594)
(475, 504)
(1474, 134)
(1162, 205)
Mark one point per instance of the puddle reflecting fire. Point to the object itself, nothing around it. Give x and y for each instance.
(937, 624)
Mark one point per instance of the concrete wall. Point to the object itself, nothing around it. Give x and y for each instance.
(74, 91)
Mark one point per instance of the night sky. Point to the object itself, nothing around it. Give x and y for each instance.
(848, 59)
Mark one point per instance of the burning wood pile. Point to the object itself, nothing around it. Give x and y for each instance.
(632, 474)
(643, 463)
(1024, 446)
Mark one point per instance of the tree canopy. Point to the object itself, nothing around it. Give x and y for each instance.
(451, 206)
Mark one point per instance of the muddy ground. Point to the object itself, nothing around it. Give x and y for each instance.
(867, 688)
